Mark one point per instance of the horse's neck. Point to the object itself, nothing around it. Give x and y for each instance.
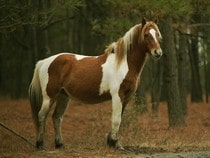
(136, 59)
(137, 55)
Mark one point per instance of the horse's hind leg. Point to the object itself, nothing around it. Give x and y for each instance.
(61, 105)
(45, 108)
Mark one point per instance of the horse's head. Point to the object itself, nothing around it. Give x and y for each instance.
(151, 36)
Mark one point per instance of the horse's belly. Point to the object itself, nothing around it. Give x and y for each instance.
(90, 98)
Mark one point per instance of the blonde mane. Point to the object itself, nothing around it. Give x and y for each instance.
(123, 45)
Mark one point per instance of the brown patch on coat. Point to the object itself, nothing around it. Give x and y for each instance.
(79, 78)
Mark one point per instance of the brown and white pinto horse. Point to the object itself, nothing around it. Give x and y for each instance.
(114, 75)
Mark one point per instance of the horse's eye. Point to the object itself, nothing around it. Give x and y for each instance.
(146, 36)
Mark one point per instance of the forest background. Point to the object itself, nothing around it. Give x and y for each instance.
(31, 30)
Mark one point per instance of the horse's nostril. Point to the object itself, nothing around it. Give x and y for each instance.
(157, 54)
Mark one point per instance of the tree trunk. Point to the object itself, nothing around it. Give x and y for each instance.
(175, 109)
(196, 90)
(34, 45)
(1, 63)
(208, 77)
(69, 29)
(156, 86)
(140, 97)
(183, 70)
(45, 32)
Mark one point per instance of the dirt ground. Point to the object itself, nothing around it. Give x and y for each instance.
(85, 128)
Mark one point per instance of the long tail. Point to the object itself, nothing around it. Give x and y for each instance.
(35, 95)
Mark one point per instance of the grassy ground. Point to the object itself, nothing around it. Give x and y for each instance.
(85, 128)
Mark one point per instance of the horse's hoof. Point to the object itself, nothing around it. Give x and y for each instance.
(40, 145)
(59, 146)
(119, 146)
(114, 143)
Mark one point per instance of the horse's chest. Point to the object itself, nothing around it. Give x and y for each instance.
(112, 75)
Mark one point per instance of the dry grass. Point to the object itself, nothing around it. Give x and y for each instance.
(85, 128)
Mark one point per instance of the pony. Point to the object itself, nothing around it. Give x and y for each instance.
(113, 75)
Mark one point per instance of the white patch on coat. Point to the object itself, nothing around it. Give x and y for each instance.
(112, 75)
(80, 57)
(157, 52)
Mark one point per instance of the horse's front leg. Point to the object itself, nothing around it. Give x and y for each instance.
(112, 139)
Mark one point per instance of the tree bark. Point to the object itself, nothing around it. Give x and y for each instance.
(45, 31)
(196, 90)
(183, 67)
(140, 97)
(156, 86)
(175, 109)
(208, 77)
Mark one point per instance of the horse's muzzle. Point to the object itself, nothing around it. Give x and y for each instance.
(157, 53)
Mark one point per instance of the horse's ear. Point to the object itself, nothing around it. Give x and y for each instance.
(156, 20)
(143, 21)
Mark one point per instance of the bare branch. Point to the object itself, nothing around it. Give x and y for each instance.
(17, 134)
(189, 34)
(200, 24)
